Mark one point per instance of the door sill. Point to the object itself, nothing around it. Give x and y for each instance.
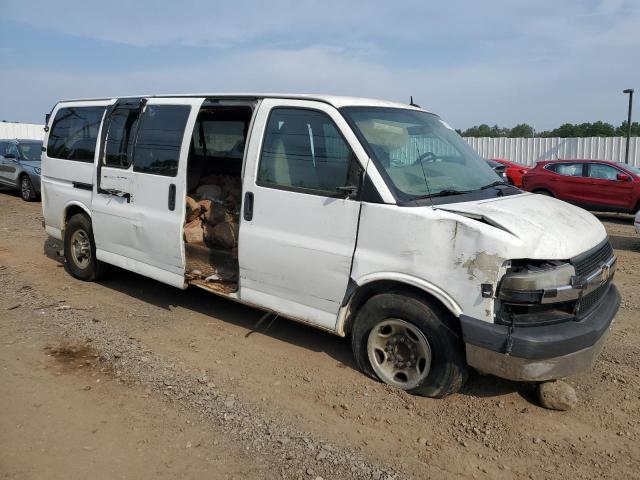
(228, 289)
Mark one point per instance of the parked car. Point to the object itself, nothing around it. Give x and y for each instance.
(592, 184)
(364, 218)
(20, 166)
(498, 168)
(636, 221)
(514, 171)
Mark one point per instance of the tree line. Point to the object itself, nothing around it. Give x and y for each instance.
(567, 130)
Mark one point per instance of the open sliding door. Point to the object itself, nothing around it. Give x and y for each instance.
(138, 206)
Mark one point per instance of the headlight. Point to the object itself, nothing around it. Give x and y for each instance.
(529, 282)
(537, 293)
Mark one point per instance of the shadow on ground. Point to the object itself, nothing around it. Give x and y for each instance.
(620, 242)
(200, 301)
(618, 218)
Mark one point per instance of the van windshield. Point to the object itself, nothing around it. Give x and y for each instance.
(420, 154)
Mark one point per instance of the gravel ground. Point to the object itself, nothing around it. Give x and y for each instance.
(295, 453)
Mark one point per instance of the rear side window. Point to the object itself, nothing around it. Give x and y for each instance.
(303, 149)
(159, 139)
(74, 133)
(219, 139)
(568, 169)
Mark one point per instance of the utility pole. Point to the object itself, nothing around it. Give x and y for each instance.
(630, 92)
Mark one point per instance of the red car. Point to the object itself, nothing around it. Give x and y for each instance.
(592, 184)
(514, 171)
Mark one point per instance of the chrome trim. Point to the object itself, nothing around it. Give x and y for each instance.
(527, 370)
(567, 293)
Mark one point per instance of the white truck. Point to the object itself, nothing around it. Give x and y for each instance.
(361, 217)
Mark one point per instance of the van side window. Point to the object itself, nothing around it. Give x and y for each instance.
(303, 149)
(74, 133)
(157, 149)
(120, 136)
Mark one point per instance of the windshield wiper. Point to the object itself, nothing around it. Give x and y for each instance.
(496, 184)
(443, 193)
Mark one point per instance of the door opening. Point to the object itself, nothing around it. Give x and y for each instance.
(213, 199)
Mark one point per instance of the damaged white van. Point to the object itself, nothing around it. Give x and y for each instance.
(361, 217)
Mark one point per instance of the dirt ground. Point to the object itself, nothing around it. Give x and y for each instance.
(130, 378)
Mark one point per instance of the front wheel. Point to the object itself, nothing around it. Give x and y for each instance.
(407, 342)
(80, 250)
(27, 192)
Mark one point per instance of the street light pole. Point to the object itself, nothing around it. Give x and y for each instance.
(630, 92)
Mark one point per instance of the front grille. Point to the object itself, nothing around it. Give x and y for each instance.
(590, 261)
(591, 300)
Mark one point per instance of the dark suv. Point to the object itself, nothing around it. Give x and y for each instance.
(20, 166)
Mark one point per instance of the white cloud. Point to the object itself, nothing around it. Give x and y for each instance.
(543, 63)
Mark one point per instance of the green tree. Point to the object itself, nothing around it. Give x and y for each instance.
(566, 130)
(621, 131)
(521, 130)
(478, 131)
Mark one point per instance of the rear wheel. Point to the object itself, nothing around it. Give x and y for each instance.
(27, 192)
(408, 342)
(80, 250)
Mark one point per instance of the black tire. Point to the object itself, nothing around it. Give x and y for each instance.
(27, 192)
(89, 268)
(543, 191)
(448, 371)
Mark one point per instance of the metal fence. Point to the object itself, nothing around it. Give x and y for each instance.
(29, 131)
(530, 150)
(521, 150)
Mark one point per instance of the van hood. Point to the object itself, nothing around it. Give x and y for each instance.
(550, 228)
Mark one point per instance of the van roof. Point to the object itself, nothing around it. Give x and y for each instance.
(335, 100)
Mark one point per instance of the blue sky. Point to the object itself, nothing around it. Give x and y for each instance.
(499, 62)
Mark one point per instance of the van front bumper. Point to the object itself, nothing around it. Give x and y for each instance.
(543, 352)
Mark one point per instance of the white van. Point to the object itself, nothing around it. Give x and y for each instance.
(361, 217)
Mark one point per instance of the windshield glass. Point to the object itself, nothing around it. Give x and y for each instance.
(421, 155)
(30, 150)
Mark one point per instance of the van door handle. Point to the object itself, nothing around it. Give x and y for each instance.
(248, 206)
(172, 197)
(116, 193)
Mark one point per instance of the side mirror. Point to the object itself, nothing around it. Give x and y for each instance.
(10, 156)
(623, 177)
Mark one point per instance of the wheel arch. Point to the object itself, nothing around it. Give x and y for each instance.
(362, 290)
(543, 189)
(22, 175)
(73, 208)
